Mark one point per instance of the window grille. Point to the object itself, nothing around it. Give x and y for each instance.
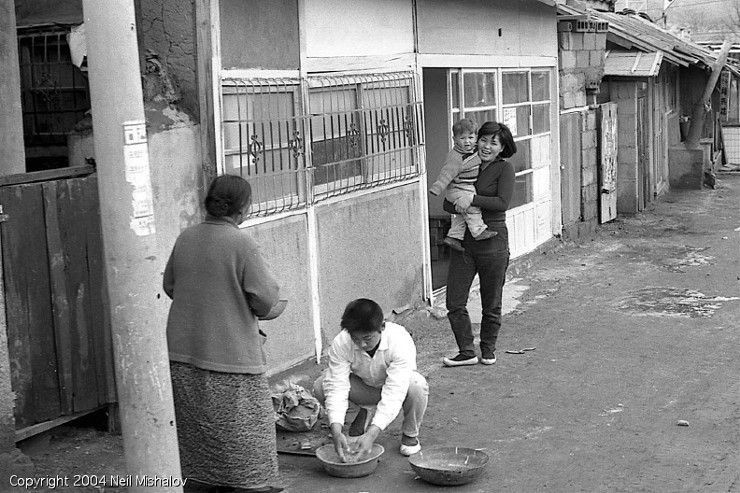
(263, 140)
(365, 130)
(358, 132)
(54, 91)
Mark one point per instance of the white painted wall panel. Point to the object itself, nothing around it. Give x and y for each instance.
(527, 27)
(541, 184)
(358, 27)
(544, 231)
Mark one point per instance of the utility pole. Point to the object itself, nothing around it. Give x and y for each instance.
(129, 238)
(699, 111)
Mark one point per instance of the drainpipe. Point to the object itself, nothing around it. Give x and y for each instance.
(700, 111)
(130, 244)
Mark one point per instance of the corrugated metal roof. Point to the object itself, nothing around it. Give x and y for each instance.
(632, 63)
(630, 31)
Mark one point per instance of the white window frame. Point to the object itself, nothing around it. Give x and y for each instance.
(462, 111)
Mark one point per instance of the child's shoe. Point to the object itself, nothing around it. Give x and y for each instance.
(454, 243)
(487, 234)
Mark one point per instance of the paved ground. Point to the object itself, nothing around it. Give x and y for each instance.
(634, 331)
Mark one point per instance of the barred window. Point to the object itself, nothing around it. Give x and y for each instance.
(359, 132)
(54, 95)
(263, 140)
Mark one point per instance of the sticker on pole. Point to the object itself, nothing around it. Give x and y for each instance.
(136, 163)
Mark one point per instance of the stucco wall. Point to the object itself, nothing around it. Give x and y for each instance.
(358, 27)
(12, 154)
(174, 158)
(258, 34)
(369, 247)
(167, 27)
(290, 338)
(489, 27)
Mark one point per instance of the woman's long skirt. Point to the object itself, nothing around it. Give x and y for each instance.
(225, 427)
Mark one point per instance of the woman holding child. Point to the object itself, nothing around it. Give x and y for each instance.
(488, 258)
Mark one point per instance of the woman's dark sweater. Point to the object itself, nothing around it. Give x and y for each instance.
(494, 189)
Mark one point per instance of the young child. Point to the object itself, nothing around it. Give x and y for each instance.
(372, 363)
(458, 177)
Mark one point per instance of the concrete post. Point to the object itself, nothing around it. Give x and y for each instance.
(129, 241)
(12, 153)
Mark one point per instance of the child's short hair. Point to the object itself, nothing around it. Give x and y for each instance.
(362, 316)
(464, 125)
(508, 146)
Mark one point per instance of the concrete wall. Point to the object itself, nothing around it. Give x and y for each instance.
(369, 247)
(490, 27)
(589, 169)
(624, 93)
(258, 34)
(284, 245)
(581, 66)
(12, 155)
(174, 156)
(358, 27)
(581, 71)
(167, 27)
(687, 168)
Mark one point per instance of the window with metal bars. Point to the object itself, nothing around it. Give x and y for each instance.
(54, 92)
(358, 132)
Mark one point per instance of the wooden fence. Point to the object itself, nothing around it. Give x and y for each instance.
(58, 321)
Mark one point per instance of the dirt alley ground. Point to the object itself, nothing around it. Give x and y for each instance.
(634, 331)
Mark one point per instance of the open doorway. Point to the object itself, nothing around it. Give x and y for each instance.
(438, 141)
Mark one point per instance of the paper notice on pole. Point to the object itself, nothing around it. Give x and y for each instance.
(510, 120)
(136, 164)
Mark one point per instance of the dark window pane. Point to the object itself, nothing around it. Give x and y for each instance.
(515, 87)
(522, 159)
(480, 117)
(480, 89)
(517, 119)
(455, 89)
(540, 86)
(541, 118)
(522, 191)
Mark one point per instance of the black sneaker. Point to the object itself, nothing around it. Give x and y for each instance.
(488, 358)
(460, 360)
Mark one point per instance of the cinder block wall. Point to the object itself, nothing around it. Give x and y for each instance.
(581, 50)
(589, 169)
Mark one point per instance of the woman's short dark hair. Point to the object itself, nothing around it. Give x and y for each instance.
(508, 146)
(227, 195)
(362, 316)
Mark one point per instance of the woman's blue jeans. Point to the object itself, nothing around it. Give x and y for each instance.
(489, 259)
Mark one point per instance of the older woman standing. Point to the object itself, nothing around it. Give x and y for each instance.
(220, 285)
(488, 258)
